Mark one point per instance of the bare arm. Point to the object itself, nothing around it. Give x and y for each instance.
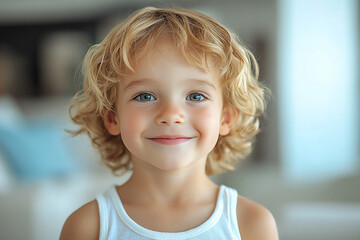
(255, 221)
(83, 224)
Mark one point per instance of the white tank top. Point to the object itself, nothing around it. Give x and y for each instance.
(116, 224)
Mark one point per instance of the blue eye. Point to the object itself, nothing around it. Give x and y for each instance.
(195, 97)
(144, 97)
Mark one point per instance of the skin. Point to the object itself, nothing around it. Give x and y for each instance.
(170, 115)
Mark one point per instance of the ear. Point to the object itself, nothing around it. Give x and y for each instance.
(228, 118)
(111, 122)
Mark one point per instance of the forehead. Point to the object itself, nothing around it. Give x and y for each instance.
(164, 59)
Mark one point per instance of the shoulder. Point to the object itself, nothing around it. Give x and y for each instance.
(255, 221)
(84, 223)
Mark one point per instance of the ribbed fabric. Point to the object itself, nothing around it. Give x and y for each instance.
(116, 224)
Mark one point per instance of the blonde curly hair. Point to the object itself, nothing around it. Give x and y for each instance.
(203, 43)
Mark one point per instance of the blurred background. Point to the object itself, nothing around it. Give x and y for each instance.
(306, 161)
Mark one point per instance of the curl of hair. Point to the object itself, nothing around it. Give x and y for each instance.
(203, 43)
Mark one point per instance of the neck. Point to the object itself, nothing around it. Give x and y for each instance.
(149, 184)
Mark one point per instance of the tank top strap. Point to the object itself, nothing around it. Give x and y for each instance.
(230, 208)
(104, 216)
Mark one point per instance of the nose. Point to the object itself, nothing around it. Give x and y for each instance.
(169, 114)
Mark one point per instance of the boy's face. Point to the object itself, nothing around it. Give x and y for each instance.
(169, 114)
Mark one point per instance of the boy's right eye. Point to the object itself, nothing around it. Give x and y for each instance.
(145, 97)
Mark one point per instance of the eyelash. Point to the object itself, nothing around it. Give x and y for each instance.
(152, 98)
(204, 97)
(137, 97)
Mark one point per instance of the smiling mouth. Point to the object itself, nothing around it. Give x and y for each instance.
(170, 140)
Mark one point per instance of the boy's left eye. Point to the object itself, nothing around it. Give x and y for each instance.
(195, 97)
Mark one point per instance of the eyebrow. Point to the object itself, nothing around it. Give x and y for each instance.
(203, 82)
(134, 83)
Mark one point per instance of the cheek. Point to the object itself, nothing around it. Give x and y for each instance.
(207, 121)
(132, 122)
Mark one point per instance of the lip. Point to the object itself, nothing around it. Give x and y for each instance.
(170, 140)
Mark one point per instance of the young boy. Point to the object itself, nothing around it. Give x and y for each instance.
(170, 95)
